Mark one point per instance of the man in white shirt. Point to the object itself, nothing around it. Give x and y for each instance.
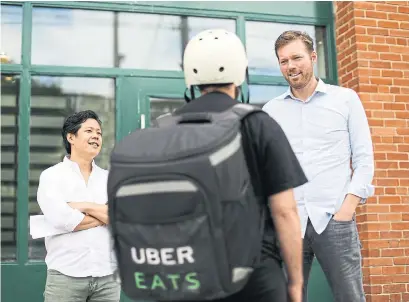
(72, 196)
(328, 130)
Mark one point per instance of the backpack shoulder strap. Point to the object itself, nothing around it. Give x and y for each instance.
(236, 112)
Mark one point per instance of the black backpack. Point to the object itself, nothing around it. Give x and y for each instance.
(185, 220)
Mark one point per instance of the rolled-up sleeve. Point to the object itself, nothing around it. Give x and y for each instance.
(362, 150)
(54, 206)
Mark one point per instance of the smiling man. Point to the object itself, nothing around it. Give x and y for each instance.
(327, 128)
(72, 196)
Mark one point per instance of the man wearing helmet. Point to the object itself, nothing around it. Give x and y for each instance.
(215, 61)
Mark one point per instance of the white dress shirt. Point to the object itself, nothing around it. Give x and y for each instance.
(82, 253)
(326, 131)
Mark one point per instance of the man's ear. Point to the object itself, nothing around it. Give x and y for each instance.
(314, 57)
(70, 137)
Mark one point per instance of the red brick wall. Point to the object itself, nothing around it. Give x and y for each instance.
(372, 41)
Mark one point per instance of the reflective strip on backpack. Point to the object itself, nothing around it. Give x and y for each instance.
(239, 273)
(225, 152)
(156, 187)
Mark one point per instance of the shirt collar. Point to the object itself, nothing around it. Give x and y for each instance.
(68, 161)
(321, 87)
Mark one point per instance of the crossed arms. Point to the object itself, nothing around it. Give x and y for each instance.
(67, 216)
(96, 214)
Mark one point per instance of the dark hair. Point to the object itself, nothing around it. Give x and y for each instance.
(73, 123)
(292, 35)
(212, 86)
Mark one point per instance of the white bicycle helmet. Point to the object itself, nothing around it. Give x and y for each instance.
(215, 56)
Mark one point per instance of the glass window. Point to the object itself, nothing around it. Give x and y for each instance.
(11, 25)
(9, 165)
(52, 100)
(260, 39)
(148, 41)
(73, 37)
(261, 94)
(160, 106)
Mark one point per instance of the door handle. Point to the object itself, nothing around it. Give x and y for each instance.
(143, 121)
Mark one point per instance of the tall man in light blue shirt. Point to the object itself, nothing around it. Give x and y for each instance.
(328, 129)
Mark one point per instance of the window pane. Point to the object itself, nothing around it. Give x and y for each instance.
(52, 100)
(260, 39)
(261, 94)
(73, 37)
(11, 20)
(9, 165)
(160, 106)
(148, 41)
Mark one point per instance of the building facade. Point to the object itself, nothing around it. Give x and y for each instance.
(124, 60)
(372, 40)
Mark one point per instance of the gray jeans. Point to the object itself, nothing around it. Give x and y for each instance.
(62, 288)
(338, 252)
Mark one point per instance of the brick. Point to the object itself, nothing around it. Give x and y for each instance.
(380, 64)
(401, 82)
(401, 41)
(392, 252)
(391, 191)
(380, 279)
(404, 243)
(390, 56)
(398, 17)
(403, 148)
(383, 131)
(391, 235)
(378, 47)
(403, 9)
(390, 217)
(392, 73)
(373, 289)
(404, 98)
(402, 131)
(376, 15)
(387, 182)
(388, 24)
(380, 32)
(393, 288)
(400, 65)
(385, 165)
(378, 226)
(395, 90)
(377, 262)
(395, 123)
(376, 244)
(404, 165)
(397, 156)
(399, 208)
(376, 208)
(364, 39)
(402, 114)
(398, 32)
(367, 22)
(364, 5)
(399, 226)
(392, 270)
(399, 49)
(404, 25)
(378, 298)
(386, 8)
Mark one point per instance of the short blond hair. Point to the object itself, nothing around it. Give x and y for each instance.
(292, 35)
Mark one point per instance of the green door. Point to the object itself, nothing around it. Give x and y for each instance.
(144, 99)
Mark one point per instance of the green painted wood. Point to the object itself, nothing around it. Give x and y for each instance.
(134, 87)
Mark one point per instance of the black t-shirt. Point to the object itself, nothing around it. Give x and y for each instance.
(277, 165)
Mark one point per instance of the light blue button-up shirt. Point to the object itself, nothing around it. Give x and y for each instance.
(326, 131)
